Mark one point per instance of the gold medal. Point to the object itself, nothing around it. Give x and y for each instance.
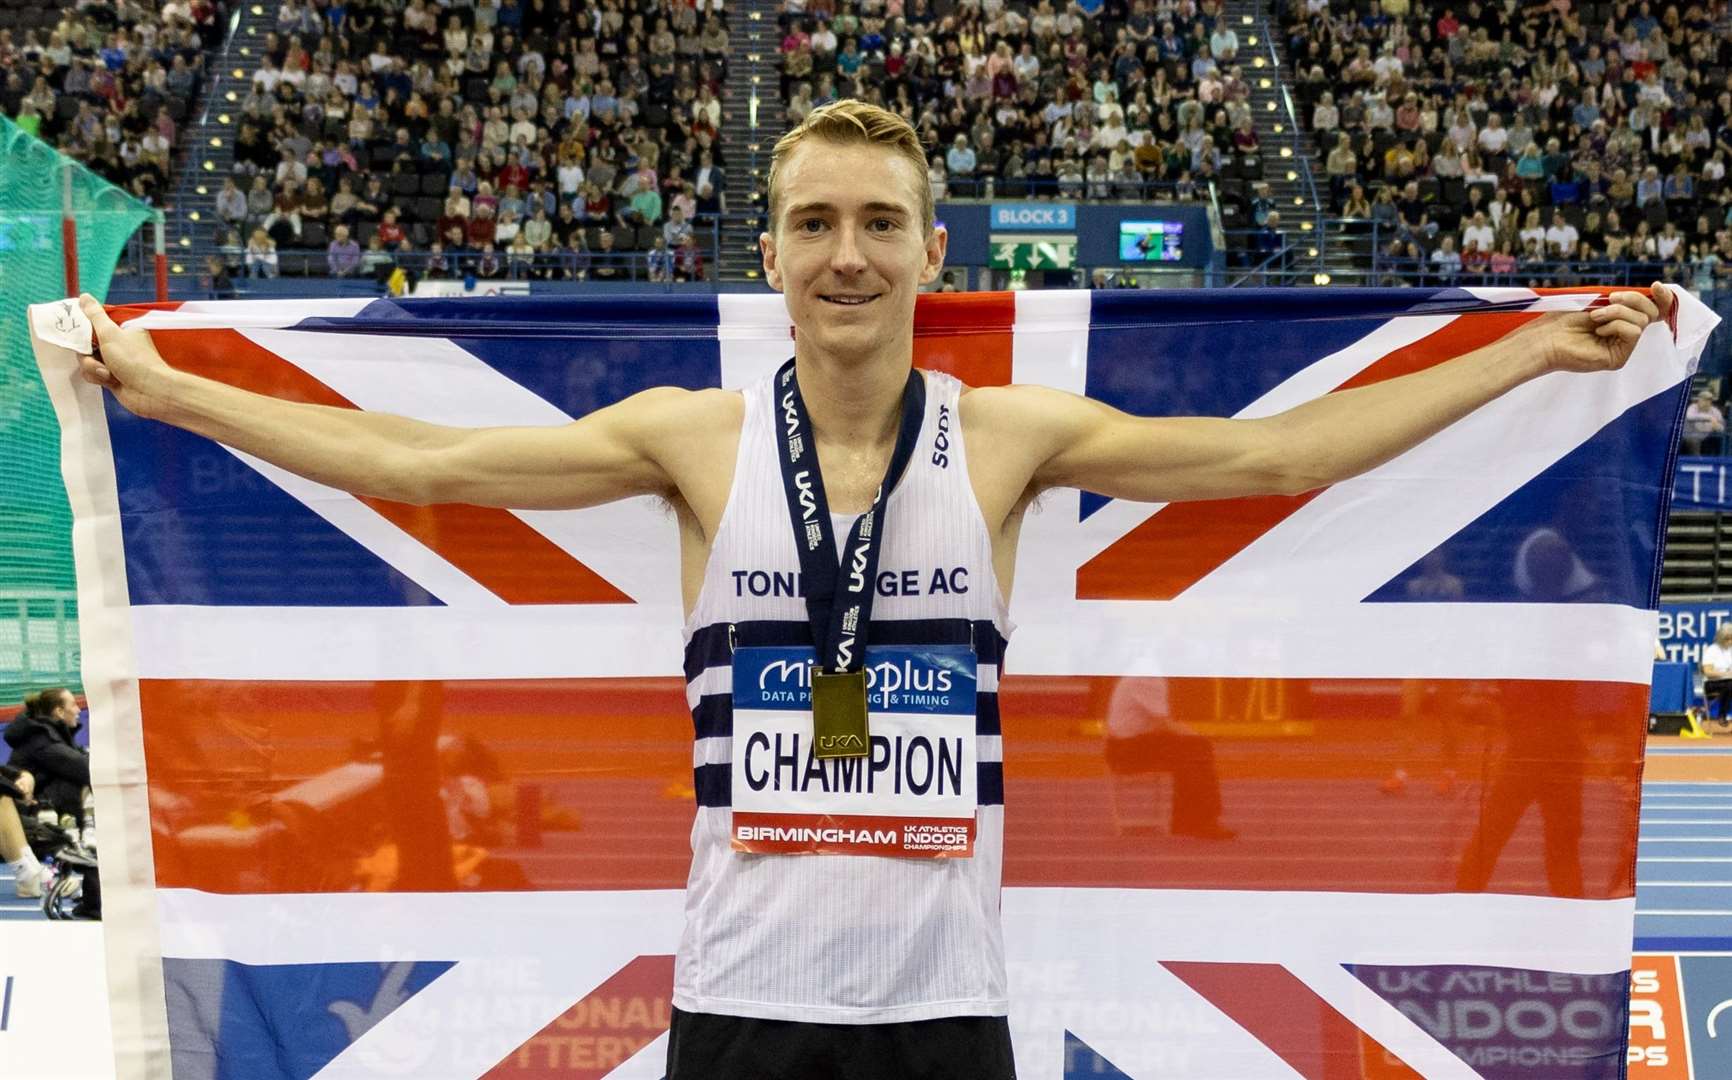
(839, 714)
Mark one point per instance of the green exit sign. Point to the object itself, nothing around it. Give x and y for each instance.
(1033, 253)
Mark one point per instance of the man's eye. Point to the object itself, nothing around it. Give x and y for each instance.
(810, 225)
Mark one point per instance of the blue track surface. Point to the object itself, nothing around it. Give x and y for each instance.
(1684, 867)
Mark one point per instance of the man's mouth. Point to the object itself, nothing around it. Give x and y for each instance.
(848, 299)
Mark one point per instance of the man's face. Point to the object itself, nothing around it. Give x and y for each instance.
(848, 249)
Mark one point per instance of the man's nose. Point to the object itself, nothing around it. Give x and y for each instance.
(847, 256)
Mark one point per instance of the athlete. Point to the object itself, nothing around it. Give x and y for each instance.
(852, 965)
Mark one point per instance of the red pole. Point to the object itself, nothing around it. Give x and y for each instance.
(68, 231)
(161, 261)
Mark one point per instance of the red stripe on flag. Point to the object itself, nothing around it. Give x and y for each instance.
(1289, 1018)
(1524, 787)
(598, 1034)
(967, 335)
(495, 547)
(1185, 542)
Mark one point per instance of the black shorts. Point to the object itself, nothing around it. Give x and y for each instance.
(703, 1046)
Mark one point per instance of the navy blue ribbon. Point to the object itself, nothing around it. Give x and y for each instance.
(838, 596)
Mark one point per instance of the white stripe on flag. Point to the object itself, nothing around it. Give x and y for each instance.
(1608, 643)
(373, 531)
(1382, 1021)
(233, 314)
(633, 543)
(1112, 521)
(1225, 926)
(1441, 486)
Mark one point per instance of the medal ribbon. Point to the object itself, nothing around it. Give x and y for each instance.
(838, 596)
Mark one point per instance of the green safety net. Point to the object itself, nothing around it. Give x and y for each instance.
(38, 601)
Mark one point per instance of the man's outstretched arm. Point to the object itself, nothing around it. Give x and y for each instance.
(610, 454)
(1068, 441)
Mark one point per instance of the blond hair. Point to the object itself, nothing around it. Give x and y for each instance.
(853, 122)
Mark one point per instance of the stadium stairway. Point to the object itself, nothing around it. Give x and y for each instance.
(1284, 141)
(752, 119)
(207, 138)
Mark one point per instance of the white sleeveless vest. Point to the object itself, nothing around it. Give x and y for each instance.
(839, 938)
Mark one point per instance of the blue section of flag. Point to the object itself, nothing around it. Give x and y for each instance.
(200, 526)
(1083, 1062)
(1199, 354)
(1582, 531)
(1513, 1023)
(584, 374)
(233, 1021)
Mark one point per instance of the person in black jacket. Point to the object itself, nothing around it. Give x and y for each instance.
(41, 742)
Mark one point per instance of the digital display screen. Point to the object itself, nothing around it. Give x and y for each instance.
(1151, 241)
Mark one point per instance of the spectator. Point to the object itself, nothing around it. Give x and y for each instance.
(261, 258)
(343, 254)
(660, 260)
(222, 287)
(231, 203)
(606, 263)
(520, 257)
(1562, 237)
(1478, 234)
(41, 741)
(1446, 261)
(377, 261)
(1704, 432)
(959, 162)
(676, 229)
(689, 260)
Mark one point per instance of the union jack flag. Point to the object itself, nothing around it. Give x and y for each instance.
(405, 791)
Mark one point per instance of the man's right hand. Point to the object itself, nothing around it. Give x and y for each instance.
(125, 361)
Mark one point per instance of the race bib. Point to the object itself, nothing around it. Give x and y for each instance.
(912, 794)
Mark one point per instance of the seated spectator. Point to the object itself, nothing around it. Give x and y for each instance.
(1561, 238)
(606, 263)
(660, 261)
(231, 203)
(1478, 234)
(520, 257)
(260, 200)
(1446, 260)
(343, 254)
(261, 257)
(41, 741)
(217, 280)
(377, 261)
(689, 260)
(676, 229)
(284, 220)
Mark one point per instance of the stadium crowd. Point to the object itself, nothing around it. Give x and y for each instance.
(1145, 98)
(497, 139)
(109, 83)
(581, 138)
(1552, 138)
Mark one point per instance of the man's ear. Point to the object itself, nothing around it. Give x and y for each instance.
(936, 245)
(767, 251)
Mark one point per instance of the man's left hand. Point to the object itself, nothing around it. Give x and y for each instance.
(1602, 339)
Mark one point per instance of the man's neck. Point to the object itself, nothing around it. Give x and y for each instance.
(852, 403)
